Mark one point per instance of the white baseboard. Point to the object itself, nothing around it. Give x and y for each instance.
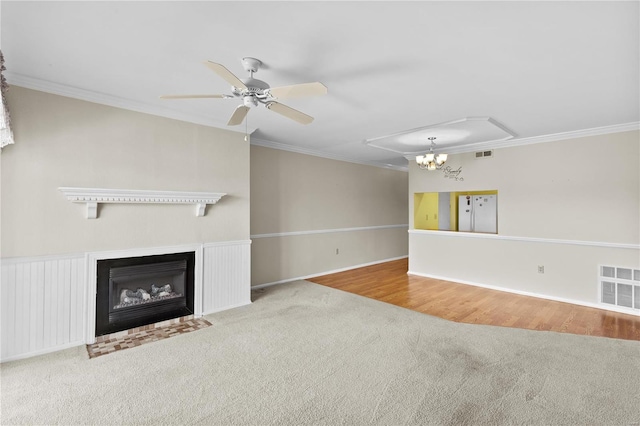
(226, 308)
(42, 351)
(527, 293)
(348, 268)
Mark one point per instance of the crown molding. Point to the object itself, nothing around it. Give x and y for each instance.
(482, 146)
(595, 131)
(114, 101)
(306, 151)
(27, 82)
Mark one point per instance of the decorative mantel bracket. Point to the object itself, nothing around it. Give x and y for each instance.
(94, 196)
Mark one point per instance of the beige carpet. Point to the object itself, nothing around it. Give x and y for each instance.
(307, 354)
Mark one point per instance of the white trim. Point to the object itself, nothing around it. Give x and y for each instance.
(526, 293)
(43, 351)
(94, 196)
(410, 155)
(227, 243)
(114, 101)
(89, 294)
(102, 98)
(43, 258)
(482, 146)
(457, 234)
(315, 153)
(198, 282)
(92, 276)
(237, 305)
(143, 251)
(348, 268)
(326, 231)
(595, 131)
(222, 280)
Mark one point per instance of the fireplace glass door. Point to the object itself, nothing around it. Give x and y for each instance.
(143, 290)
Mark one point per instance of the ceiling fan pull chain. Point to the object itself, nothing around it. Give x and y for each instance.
(246, 129)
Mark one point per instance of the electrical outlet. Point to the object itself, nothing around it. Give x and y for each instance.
(541, 269)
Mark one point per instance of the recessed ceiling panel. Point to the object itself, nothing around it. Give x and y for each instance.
(461, 134)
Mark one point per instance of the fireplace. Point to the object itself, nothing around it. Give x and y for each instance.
(137, 291)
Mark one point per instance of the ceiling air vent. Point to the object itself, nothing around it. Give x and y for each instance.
(484, 154)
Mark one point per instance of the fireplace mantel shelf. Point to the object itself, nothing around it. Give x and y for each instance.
(94, 196)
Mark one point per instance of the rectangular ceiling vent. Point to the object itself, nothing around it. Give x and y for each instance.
(620, 286)
(484, 154)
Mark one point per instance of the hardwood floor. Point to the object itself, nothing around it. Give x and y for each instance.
(389, 282)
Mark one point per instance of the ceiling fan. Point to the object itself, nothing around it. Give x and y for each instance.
(255, 92)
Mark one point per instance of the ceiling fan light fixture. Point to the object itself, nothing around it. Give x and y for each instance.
(254, 92)
(249, 101)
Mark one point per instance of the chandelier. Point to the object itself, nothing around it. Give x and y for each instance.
(431, 161)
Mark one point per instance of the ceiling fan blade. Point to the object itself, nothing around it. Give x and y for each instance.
(226, 74)
(238, 115)
(196, 97)
(299, 90)
(289, 112)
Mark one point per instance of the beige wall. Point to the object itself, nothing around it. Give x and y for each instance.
(67, 142)
(295, 193)
(577, 189)
(568, 205)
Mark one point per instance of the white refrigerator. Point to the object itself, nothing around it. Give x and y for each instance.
(478, 213)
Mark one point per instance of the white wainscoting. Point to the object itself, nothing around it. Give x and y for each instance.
(48, 302)
(42, 302)
(227, 276)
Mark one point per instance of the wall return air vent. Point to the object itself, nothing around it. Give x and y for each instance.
(484, 154)
(620, 286)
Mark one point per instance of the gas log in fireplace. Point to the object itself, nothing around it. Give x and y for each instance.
(136, 291)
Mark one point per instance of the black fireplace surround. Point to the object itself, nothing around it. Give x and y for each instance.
(137, 291)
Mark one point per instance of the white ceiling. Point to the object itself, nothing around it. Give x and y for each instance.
(534, 68)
